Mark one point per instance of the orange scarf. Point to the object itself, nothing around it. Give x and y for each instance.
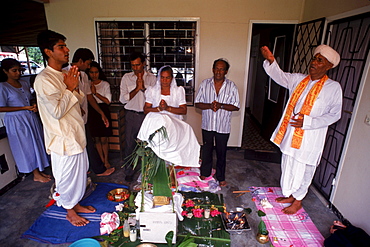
(306, 110)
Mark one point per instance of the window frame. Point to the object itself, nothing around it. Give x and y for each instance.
(155, 19)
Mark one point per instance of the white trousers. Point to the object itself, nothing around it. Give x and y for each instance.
(70, 173)
(296, 177)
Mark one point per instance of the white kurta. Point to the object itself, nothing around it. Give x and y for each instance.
(181, 148)
(65, 138)
(325, 111)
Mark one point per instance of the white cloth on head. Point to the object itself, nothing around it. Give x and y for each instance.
(181, 148)
(70, 174)
(296, 177)
(175, 99)
(329, 53)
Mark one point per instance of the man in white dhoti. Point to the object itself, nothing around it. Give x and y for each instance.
(59, 102)
(315, 102)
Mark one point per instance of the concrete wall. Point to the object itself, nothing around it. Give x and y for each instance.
(351, 192)
(223, 33)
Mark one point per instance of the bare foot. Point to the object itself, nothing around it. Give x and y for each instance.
(289, 199)
(41, 179)
(107, 165)
(292, 209)
(75, 219)
(45, 175)
(107, 172)
(223, 183)
(84, 209)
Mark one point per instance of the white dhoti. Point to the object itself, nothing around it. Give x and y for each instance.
(296, 177)
(70, 173)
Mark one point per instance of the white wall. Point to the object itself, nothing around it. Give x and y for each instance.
(223, 33)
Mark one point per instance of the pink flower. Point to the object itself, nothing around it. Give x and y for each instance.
(184, 213)
(198, 212)
(189, 204)
(215, 212)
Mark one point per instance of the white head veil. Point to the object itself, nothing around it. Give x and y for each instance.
(157, 86)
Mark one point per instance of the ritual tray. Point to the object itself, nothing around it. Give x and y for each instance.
(235, 222)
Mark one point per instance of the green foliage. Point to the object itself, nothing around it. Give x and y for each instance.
(35, 55)
(261, 213)
(262, 228)
(169, 237)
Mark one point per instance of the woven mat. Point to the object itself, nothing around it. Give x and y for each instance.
(296, 230)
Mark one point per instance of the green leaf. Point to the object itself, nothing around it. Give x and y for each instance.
(261, 213)
(262, 228)
(248, 210)
(169, 237)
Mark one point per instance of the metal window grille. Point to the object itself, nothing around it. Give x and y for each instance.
(164, 43)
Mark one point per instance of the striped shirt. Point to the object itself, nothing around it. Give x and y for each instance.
(219, 121)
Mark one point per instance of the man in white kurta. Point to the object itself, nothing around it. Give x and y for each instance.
(299, 164)
(59, 103)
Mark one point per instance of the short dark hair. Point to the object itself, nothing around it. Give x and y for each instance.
(136, 55)
(84, 54)
(222, 60)
(47, 39)
(101, 72)
(7, 64)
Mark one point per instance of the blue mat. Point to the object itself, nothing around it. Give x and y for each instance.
(52, 226)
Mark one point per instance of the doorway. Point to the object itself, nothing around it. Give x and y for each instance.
(265, 99)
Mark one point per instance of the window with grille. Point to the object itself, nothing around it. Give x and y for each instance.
(164, 43)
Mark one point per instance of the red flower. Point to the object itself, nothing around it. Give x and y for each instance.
(198, 212)
(215, 212)
(184, 213)
(189, 203)
(181, 173)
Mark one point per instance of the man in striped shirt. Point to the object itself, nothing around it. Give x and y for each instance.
(217, 97)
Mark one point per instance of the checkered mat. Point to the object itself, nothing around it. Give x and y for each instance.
(296, 230)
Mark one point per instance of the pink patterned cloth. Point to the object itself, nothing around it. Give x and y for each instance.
(296, 230)
(109, 222)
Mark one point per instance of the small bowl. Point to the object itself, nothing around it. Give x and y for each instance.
(146, 245)
(86, 242)
(118, 195)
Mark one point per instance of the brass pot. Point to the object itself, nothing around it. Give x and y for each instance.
(262, 238)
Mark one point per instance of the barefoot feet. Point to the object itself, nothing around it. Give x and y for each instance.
(40, 177)
(75, 219)
(293, 208)
(107, 172)
(84, 209)
(289, 199)
(223, 183)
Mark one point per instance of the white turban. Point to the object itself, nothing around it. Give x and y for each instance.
(329, 53)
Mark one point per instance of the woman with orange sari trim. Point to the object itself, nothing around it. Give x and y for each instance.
(315, 102)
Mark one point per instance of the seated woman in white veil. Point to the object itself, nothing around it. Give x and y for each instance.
(165, 96)
(165, 106)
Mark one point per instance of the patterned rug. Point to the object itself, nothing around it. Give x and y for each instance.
(296, 230)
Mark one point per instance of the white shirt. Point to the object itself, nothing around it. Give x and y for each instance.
(325, 111)
(60, 113)
(128, 84)
(103, 88)
(175, 99)
(219, 121)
